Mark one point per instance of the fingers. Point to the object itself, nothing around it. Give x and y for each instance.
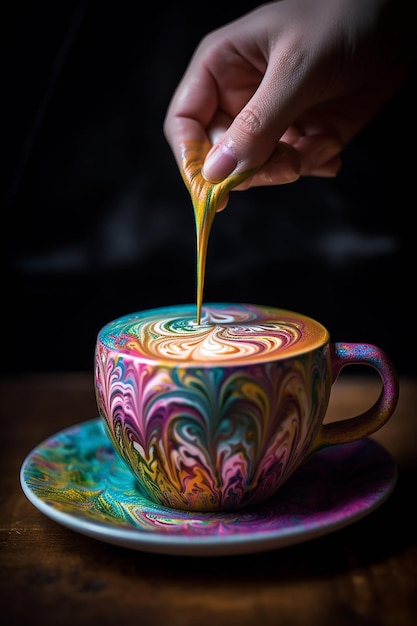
(191, 110)
(316, 155)
(243, 98)
(284, 166)
(218, 126)
(250, 140)
(319, 155)
(330, 169)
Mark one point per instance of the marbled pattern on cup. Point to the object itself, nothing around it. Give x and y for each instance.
(217, 415)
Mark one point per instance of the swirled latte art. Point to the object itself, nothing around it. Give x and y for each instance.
(227, 332)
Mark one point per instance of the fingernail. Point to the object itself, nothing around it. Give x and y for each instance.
(219, 163)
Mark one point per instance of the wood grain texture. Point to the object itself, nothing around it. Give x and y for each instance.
(363, 574)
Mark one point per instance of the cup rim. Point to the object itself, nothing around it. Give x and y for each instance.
(111, 338)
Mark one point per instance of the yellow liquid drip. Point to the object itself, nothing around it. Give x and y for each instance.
(206, 198)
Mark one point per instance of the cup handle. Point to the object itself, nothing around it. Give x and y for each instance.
(379, 413)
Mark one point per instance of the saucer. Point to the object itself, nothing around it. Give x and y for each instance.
(76, 478)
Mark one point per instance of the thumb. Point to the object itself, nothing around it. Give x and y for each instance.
(252, 137)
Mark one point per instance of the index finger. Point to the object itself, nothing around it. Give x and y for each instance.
(191, 110)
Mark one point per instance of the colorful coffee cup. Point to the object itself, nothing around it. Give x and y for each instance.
(218, 415)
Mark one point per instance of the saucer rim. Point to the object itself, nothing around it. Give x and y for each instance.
(198, 545)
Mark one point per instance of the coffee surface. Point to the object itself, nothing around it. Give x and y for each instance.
(227, 333)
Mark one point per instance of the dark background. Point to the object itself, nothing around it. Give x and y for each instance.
(97, 222)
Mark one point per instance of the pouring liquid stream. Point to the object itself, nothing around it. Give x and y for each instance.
(206, 198)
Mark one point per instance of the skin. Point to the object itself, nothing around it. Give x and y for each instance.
(282, 90)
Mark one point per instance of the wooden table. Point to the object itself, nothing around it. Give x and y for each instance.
(365, 573)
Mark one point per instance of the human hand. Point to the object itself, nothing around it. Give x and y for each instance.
(283, 89)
